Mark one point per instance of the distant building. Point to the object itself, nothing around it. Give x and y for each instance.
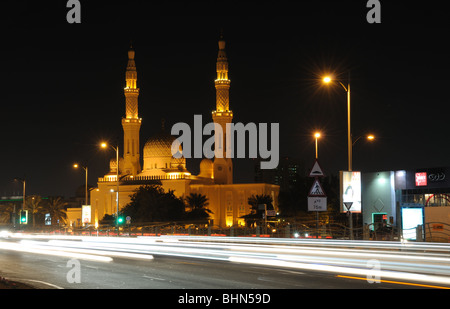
(285, 175)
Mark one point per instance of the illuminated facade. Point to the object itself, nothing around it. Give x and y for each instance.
(131, 123)
(227, 201)
(223, 167)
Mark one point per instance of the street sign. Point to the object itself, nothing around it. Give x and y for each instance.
(316, 170)
(317, 203)
(271, 213)
(316, 189)
(348, 205)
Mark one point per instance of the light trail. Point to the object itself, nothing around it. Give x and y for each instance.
(418, 262)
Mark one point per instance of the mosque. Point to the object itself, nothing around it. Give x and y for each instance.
(228, 201)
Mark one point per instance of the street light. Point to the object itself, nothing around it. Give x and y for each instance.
(317, 136)
(369, 137)
(105, 145)
(328, 80)
(76, 165)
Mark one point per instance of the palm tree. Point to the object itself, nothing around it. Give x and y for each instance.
(6, 211)
(256, 211)
(197, 203)
(56, 208)
(256, 200)
(33, 203)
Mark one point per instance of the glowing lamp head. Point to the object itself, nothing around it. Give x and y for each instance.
(317, 134)
(75, 165)
(327, 79)
(103, 145)
(370, 137)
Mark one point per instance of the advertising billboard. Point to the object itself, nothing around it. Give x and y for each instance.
(411, 218)
(86, 214)
(350, 191)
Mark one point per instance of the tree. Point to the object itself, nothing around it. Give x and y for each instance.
(256, 213)
(150, 203)
(6, 212)
(197, 203)
(34, 204)
(55, 206)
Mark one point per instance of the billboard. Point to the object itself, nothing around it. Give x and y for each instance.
(411, 218)
(350, 191)
(86, 214)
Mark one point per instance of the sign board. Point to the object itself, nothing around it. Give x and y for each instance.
(316, 189)
(411, 218)
(317, 203)
(421, 179)
(85, 214)
(48, 219)
(271, 213)
(316, 171)
(350, 189)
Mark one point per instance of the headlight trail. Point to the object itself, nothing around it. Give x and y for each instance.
(420, 262)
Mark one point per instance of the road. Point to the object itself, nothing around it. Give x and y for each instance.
(219, 263)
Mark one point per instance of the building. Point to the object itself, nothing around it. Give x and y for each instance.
(227, 200)
(407, 198)
(285, 175)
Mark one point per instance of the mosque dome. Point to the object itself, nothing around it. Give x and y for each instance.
(159, 145)
(158, 154)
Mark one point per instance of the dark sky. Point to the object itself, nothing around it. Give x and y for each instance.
(62, 84)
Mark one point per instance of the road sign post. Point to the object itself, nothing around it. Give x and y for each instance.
(348, 205)
(317, 199)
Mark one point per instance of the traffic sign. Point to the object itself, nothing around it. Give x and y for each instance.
(316, 189)
(348, 205)
(317, 203)
(316, 170)
(271, 213)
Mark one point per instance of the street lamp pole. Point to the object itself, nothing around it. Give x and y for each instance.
(349, 134)
(104, 145)
(327, 80)
(316, 136)
(86, 184)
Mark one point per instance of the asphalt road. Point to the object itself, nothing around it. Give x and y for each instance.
(167, 272)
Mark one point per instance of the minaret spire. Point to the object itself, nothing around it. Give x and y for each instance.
(131, 123)
(222, 82)
(223, 167)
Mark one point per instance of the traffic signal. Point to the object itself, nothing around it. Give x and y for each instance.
(120, 220)
(24, 217)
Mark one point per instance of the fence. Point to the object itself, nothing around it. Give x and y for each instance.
(437, 232)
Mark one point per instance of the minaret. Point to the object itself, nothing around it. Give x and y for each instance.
(131, 123)
(223, 167)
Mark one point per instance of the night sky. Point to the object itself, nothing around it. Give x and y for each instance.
(62, 84)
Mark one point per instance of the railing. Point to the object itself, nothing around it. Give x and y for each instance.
(437, 232)
(137, 179)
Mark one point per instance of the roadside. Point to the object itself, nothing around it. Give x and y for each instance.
(6, 284)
